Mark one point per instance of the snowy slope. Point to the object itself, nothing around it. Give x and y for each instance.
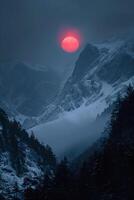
(9, 179)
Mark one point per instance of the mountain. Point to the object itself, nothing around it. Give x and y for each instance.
(23, 160)
(101, 72)
(25, 90)
(76, 118)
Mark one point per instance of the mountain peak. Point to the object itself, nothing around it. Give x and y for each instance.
(85, 60)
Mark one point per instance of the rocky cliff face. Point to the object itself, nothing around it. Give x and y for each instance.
(100, 73)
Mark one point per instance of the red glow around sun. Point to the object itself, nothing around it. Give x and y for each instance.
(70, 41)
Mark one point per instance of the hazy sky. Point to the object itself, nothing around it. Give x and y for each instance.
(29, 28)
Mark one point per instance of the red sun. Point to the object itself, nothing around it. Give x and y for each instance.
(70, 44)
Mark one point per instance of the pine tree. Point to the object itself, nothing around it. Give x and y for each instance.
(16, 154)
(16, 191)
(51, 159)
(62, 181)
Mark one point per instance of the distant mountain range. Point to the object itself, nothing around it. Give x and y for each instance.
(33, 95)
(26, 90)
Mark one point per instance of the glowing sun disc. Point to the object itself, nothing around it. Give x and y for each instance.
(70, 44)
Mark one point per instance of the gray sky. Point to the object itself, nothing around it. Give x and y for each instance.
(29, 28)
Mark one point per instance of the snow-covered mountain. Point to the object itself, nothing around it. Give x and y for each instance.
(102, 71)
